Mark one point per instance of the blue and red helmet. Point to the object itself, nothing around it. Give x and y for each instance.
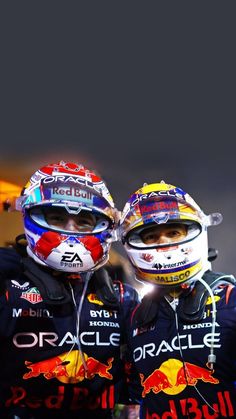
(70, 187)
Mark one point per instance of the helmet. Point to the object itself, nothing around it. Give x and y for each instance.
(168, 264)
(73, 189)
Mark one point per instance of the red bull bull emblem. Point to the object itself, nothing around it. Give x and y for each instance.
(68, 368)
(173, 376)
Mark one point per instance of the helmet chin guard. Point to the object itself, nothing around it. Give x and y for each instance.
(85, 254)
(171, 264)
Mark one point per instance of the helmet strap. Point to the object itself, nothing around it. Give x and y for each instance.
(191, 308)
(191, 304)
(147, 311)
(52, 290)
(101, 284)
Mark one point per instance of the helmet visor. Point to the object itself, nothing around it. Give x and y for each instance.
(169, 234)
(69, 219)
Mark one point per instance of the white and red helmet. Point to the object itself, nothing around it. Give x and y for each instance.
(75, 188)
(166, 264)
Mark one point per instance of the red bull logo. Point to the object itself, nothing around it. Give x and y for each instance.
(156, 382)
(173, 376)
(50, 368)
(92, 298)
(193, 407)
(69, 368)
(95, 367)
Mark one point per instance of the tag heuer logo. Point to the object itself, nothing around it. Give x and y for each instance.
(32, 295)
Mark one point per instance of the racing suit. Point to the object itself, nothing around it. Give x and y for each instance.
(170, 353)
(56, 363)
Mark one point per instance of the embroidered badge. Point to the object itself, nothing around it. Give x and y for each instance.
(32, 295)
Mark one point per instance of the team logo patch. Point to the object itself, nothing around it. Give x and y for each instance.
(68, 368)
(16, 284)
(32, 295)
(92, 298)
(72, 257)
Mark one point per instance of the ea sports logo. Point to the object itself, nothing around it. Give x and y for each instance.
(71, 257)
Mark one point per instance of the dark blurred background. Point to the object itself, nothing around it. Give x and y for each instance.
(140, 91)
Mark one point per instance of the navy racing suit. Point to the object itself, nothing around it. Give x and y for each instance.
(170, 353)
(59, 360)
